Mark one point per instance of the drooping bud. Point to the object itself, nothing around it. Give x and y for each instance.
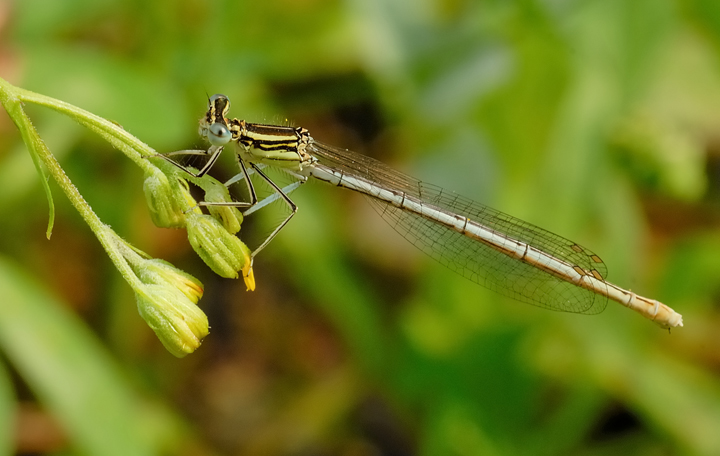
(162, 200)
(177, 321)
(166, 299)
(224, 253)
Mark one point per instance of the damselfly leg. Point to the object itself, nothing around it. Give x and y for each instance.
(253, 205)
(213, 152)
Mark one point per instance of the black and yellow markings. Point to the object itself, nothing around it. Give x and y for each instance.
(217, 110)
(270, 138)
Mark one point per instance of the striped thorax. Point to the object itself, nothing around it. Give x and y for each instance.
(274, 145)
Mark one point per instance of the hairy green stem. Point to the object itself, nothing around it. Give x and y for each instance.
(11, 99)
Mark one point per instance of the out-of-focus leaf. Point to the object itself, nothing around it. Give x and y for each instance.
(7, 413)
(17, 175)
(317, 266)
(693, 271)
(67, 368)
(138, 98)
(454, 430)
(676, 399)
(568, 424)
(664, 137)
(662, 156)
(707, 13)
(672, 397)
(37, 18)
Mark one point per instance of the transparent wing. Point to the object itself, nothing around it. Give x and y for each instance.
(472, 259)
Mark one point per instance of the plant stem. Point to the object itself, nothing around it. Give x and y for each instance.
(13, 105)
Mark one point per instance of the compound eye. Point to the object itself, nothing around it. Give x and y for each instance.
(219, 134)
(218, 97)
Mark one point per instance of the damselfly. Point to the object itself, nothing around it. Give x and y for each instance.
(495, 250)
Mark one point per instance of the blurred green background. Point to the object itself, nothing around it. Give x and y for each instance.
(595, 119)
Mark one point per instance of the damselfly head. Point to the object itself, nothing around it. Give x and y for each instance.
(214, 125)
(218, 105)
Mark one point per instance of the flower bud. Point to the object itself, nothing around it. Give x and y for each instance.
(224, 253)
(229, 216)
(162, 200)
(166, 298)
(177, 321)
(160, 272)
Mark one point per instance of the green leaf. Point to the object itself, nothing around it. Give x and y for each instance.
(14, 109)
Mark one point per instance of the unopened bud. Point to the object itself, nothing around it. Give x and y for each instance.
(229, 216)
(160, 272)
(224, 253)
(177, 321)
(162, 200)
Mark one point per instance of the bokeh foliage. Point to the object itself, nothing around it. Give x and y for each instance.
(596, 119)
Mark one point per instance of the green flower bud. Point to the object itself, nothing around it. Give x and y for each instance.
(229, 216)
(162, 200)
(160, 272)
(224, 253)
(177, 321)
(166, 298)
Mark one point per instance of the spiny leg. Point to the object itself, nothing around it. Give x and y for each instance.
(280, 193)
(213, 152)
(288, 201)
(275, 196)
(251, 190)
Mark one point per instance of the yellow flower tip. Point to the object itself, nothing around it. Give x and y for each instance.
(160, 272)
(247, 270)
(196, 288)
(249, 278)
